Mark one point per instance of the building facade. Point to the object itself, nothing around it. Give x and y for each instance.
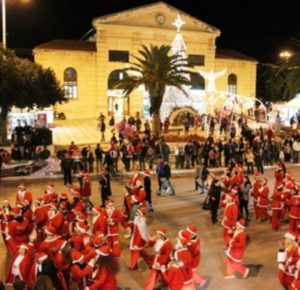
(88, 69)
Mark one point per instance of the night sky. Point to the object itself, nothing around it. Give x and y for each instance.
(260, 29)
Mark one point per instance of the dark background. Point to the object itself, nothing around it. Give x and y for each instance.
(260, 29)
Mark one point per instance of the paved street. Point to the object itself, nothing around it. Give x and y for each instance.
(175, 212)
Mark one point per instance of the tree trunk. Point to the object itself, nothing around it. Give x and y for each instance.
(156, 123)
(3, 126)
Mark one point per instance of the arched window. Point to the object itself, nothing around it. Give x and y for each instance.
(232, 84)
(70, 83)
(114, 77)
(118, 104)
(198, 82)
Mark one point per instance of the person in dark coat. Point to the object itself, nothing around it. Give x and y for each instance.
(105, 188)
(66, 166)
(147, 186)
(214, 195)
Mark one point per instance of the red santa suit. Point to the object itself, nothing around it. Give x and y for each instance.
(183, 255)
(288, 267)
(40, 217)
(255, 194)
(102, 278)
(173, 276)
(294, 213)
(81, 238)
(113, 218)
(20, 265)
(194, 248)
(23, 196)
(277, 206)
(229, 219)
(86, 186)
(139, 238)
(20, 230)
(263, 201)
(235, 252)
(279, 173)
(56, 220)
(79, 274)
(296, 283)
(5, 217)
(99, 221)
(163, 248)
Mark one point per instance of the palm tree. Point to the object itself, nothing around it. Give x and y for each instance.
(155, 68)
(292, 69)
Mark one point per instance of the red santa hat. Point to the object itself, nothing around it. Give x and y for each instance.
(139, 183)
(50, 230)
(17, 211)
(184, 234)
(241, 223)
(50, 186)
(109, 202)
(162, 231)
(98, 240)
(147, 172)
(81, 217)
(81, 227)
(75, 191)
(279, 185)
(22, 186)
(63, 196)
(63, 205)
(41, 256)
(192, 229)
(184, 242)
(290, 236)
(289, 175)
(257, 175)
(104, 250)
(76, 256)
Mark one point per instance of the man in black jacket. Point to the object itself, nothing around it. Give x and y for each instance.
(66, 166)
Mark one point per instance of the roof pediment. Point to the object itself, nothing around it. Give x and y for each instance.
(157, 15)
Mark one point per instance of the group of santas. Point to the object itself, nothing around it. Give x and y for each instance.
(52, 236)
(283, 199)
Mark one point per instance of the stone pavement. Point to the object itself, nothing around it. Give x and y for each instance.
(175, 212)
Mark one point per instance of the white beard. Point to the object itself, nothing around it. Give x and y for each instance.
(142, 227)
(158, 244)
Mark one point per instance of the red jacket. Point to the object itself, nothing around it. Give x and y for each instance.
(56, 221)
(99, 224)
(194, 248)
(185, 256)
(295, 207)
(163, 249)
(174, 277)
(237, 246)
(24, 198)
(230, 215)
(112, 221)
(139, 236)
(103, 280)
(20, 231)
(263, 196)
(78, 274)
(278, 200)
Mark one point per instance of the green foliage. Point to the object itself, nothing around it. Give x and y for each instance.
(291, 68)
(25, 84)
(155, 68)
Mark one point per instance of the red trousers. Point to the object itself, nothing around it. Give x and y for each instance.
(135, 254)
(293, 224)
(285, 280)
(256, 209)
(114, 244)
(232, 267)
(152, 278)
(276, 215)
(263, 213)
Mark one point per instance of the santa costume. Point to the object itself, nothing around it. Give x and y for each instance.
(235, 252)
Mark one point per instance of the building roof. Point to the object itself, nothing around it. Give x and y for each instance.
(232, 54)
(67, 44)
(160, 5)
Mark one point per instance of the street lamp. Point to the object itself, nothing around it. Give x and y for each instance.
(285, 55)
(4, 44)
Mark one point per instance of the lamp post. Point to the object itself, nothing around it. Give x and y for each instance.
(4, 24)
(285, 55)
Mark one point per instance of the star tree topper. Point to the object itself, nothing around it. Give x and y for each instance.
(178, 23)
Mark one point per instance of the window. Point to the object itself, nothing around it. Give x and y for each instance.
(118, 55)
(232, 84)
(70, 83)
(196, 59)
(114, 77)
(198, 82)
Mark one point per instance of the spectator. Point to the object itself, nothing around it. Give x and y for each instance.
(66, 166)
(19, 285)
(99, 156)
(245, 189)
(90, 160)
(43, 283)
(214, 196)
(102, 129)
